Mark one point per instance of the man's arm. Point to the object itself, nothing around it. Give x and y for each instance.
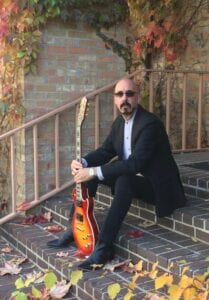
(148, 140)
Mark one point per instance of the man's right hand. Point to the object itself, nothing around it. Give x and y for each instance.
(75, 166)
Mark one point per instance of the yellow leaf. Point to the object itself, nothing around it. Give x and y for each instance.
(184, 270)
(154, 266)
(153, 274)
(189, 293)
(19, 283)
(139, 266)
(113, 290)
(76, 276)
(185, 282)
(182, 261)
(36, 293)
(202, 296)
(175, 292)
(132, 285)
(198, 282)
(162, 280)
(129, 295)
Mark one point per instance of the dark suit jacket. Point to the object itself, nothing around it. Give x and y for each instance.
(151, 156)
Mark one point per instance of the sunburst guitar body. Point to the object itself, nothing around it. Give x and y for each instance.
(84, 225)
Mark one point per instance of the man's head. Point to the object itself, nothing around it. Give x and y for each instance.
(126, 97)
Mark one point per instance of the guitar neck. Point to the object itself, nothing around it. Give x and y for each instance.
(78, 158)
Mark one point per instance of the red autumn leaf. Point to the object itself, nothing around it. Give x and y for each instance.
(13, 8)
(170, 54)
(167, 25)
(4, 29)
(54, 228)
(137, 47)
(155, 33)
(135, 233)
(183, 43)
(158, 41)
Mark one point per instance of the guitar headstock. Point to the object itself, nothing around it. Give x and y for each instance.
(82, 111)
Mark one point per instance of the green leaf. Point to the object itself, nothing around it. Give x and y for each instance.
(50, 279)
(19, 283)
(21, 296)
(76, 276)
(36, 293)
(113, 290)
(21, 54)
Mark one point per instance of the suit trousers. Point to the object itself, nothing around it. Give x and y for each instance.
(124, 188)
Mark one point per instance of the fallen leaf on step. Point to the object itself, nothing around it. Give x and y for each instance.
(37, 219)
(135, 233)
(60, 290)
(62, 254)
(147, 223)
(115, 265)
(6, 249)
(36, 277)
(9, 269)
(131, 268)
(17, 260)
(54, 228)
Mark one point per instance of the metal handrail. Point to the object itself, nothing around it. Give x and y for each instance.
(95, 94)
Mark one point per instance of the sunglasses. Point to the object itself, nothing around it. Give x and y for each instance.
(128, 93)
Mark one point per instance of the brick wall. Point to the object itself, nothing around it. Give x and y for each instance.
(72, 62)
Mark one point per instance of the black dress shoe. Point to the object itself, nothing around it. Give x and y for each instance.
(62, 242)
(101, 254)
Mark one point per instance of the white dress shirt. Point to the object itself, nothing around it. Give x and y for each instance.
(126, 146)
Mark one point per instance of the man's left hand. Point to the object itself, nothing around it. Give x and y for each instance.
(83, 175)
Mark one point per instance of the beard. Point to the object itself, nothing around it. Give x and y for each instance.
(126, 108)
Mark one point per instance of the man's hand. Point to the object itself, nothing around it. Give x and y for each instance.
(75, 167)
(80, 174)
(83, 175)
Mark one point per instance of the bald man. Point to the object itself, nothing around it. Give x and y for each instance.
(144, 169)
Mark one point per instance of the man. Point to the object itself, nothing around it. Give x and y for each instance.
(144, 169)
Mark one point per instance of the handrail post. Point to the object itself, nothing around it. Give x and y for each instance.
(168, 98)
(151, 94)
(35, 161)
(56, 139)
(199, 113)
(13, 173)
(96, 132)
(184, 112)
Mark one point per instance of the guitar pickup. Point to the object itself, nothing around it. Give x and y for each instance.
(79, 217)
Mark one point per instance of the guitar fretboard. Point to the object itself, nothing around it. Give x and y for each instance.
(78, 158)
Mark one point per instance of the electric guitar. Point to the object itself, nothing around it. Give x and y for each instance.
(84, 225)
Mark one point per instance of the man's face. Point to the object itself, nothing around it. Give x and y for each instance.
(126, 97)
